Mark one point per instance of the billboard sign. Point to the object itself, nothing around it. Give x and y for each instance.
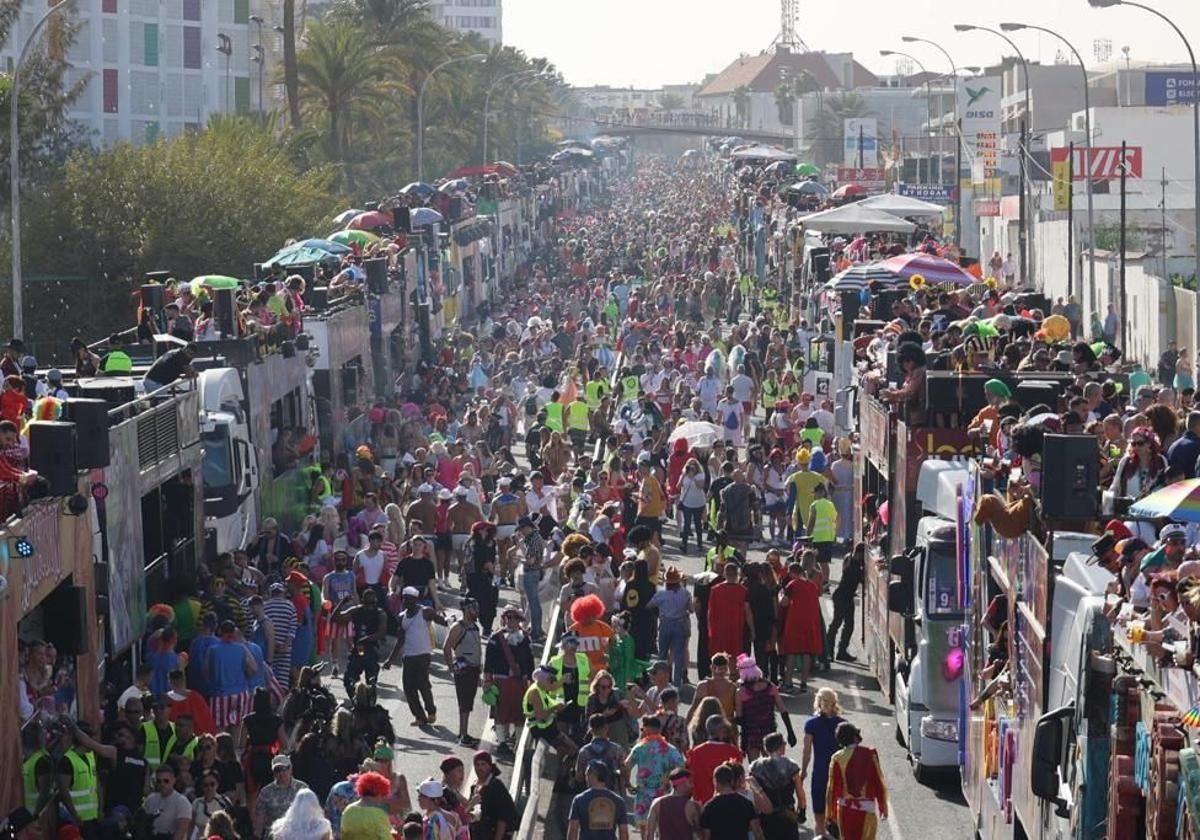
(872, 179)
(1167, 87)
(987, 207)
(861, 144)
(979, 105)
(1105, 161)
(933, 193)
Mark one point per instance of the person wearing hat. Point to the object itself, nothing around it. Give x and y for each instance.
(438, 821)
(987, 419)
(463, 653)
(276, 797)
(421, 514)
(598, 813)
(415, 647)
(507, 667)
(674, 607)
(541, 706)
(497, 812)
(454, 775)
(573, 673)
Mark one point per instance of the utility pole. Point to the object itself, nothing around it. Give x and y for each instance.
(1121, 264)
(1070, 216)
(1162, 234)
(1022, 236)
(861, 165)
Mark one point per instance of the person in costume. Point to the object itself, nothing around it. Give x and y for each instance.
(856, 798)
(729, 614)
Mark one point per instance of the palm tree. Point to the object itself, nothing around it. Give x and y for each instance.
(825, 134)
(741, 103)
(291, 74)
(670, 102)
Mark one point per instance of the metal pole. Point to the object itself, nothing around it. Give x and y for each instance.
(421, 108)
(487, 99)
(861, 161)
(14, 173)
(1021, 212)
(1070, 215)
(1121, 257)
(958, 140)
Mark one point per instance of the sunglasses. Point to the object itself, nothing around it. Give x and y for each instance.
(164, 781)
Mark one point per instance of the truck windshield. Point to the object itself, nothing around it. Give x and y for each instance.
(941, 583)
(218, 458)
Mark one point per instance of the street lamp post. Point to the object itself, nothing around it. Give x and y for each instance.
(1087, 146)
(260, 56)
(958, 221)
(487, 100)
(421, 107)
(1026, 129)
(14, 171)
(1195, 114)
(225, 48)
(928, 104)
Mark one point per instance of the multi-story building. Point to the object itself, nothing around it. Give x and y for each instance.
(483, 17)
(156, 68)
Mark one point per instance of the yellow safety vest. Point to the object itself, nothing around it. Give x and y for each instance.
(577, 416)
(154, 753)
(84, 781)
(29, 774)
(189, 750)
(710, 559)
(770, 393)
(585, 675)
(596, 391)
(117, 362)
(554, 416)
(825, 523)
(527, 707)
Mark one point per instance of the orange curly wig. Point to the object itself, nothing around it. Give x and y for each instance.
(585, 609)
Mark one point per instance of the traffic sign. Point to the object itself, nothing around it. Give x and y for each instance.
(1105, 161)
(1167, 87)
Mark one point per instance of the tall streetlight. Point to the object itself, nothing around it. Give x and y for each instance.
(487, 100)
(1026, 129)
(421, 107)
(958, 216)
(14, 171)
(1087, 146)
(260, 57)
(1103, 4)
(928, 102)
(225, 48)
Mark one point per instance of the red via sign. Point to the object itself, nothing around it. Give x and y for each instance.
(1105, 161)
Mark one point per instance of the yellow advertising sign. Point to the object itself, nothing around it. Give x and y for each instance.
(1061, 184)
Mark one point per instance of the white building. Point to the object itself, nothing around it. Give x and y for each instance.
(483, 17)
(152, 67)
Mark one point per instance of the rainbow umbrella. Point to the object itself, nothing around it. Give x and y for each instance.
(1179, 501)
(361, 238)
(1191, 717)
(935, 270)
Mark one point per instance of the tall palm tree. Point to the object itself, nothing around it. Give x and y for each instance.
(826, 133)
(291, 74)
(741, 103)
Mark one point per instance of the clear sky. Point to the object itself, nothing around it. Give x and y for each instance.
(648, 43)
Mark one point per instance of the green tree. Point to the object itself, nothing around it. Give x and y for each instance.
(670, 102)
(825, 134)
(291, 71)
(741, 104)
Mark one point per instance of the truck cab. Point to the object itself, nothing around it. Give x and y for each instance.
(230, 465)
(925, 590)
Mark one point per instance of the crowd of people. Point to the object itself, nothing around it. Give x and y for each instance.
(633, 380)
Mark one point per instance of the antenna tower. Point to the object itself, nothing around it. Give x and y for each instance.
(789, 11)
(1102, 49)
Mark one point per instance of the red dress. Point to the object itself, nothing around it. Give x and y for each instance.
(727, 619)
(802, 619)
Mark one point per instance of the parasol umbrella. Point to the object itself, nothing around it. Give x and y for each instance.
(762, 153)
(422, 216)
(308, 251)
(854, 218)
(858, 277)
(360, 238)
(417, 188)
(848, 191)
(807, 188)
(934, 269)
(808, 170)
(342, 219)
(779, 167)
(371, 220)
(1179, 501)
(698, 434)
(213, 282)
(454, 185)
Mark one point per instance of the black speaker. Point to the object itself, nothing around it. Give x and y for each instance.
(962, 394)
(401, 218)
(881, 303)
(851, 303)
(306, 270)
(1038, 391)
(259, 271)
(90, 417)
(52, 454)
(1070, 477)
(68, 629)
(116, 391)
(376, 269)
(225, 313)
(152, 296)
(819, 257)
(456, 209)
(317, 297)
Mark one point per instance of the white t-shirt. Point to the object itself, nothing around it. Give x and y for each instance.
(372, 565)
(170, 809)
(416, 634)
(131, 693)
(743, 387)
(727, 407)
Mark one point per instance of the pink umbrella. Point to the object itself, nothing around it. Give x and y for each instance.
(934, 269)
(370, 220)
(848, 191)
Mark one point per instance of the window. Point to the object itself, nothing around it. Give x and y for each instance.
(191, 9)
(241, 11)
(191, 47)
(109, 7)
(150, 39)
(110, 92)
(241, 94)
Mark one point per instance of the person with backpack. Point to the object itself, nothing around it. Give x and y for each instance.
(782, 783)
(601, 749)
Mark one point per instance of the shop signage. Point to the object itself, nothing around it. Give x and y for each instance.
(933, 193)
(1168, 87)
(987, 207)
(1105, 161)
(979, 105)
(860, 146)
(870, 178)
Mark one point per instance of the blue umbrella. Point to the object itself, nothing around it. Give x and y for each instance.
(308, 251)
(422, 216)
(418, 188)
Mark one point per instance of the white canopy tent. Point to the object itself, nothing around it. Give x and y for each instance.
(902, 205)
(762, 153)
(854, 218)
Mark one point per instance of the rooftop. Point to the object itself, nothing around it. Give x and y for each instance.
(764, 72)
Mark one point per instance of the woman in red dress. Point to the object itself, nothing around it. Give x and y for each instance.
(801, 637)
(728, 614)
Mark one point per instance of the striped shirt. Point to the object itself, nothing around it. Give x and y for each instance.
(282, 615)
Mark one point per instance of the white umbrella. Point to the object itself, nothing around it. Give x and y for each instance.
(697, 433)
(902, 205)
(854, 218)
(342, 219)
(762, 153)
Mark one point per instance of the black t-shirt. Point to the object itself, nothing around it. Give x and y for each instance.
(126, 781)
(496, 805)
(168, 367)
(728, 815)
(365, 621)
(416, 572)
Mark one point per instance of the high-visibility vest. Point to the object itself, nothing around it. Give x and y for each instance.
(84, 781)
(596, 391)
(585, 675)
(29, 775)
(154, 752)
(578, 418)
(189, 749)
(825, 522)
(527, 707)
(554, 416)
(117, 363)
(629, 387)
(710, 559)
(770, 393)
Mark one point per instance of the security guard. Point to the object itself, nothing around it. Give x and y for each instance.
(572, 671)
(579, 423)
(116, 361)
(37, 774)
(597, 388)
(541, 706)
(771, 391)
(157, 735)
(822, 525)
(82, 798)
(719, 554)
(554, 414)
(183, 740)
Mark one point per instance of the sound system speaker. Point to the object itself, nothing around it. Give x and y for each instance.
(52, 454)
(851, 303)
(1070, 477)
(881, 303)
(317, 297)
(955, 392)
(152, 296)
(376, 269)
(68, 630)
(116, 391)
(225, 313)
(1038, 392)
(456, 209)
(90, 417)
(401, 217)
(259, 271)
(306, 270)
(819, 258)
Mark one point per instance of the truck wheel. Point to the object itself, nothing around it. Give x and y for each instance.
(891, 688)
(900, 736)
(922, 774)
